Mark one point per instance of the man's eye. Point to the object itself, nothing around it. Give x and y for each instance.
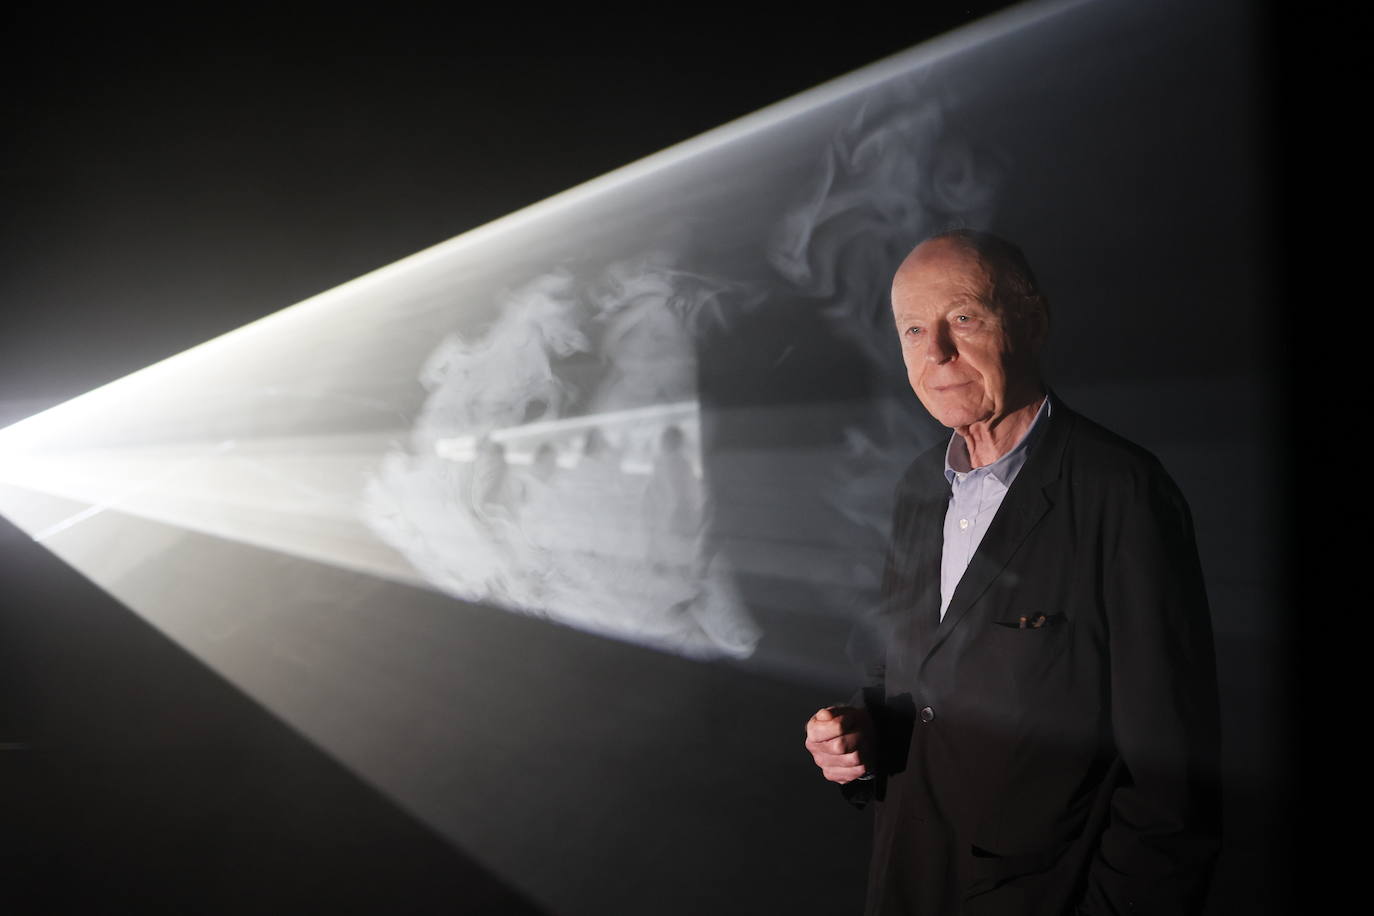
(962, 318)
(913, 331)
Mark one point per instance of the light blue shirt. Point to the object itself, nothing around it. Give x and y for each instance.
(974, 498)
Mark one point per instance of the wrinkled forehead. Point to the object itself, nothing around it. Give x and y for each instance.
(944, 267)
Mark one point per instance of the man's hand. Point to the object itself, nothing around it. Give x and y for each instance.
(839, 739)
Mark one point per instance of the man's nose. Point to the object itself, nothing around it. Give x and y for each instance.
(940, 345)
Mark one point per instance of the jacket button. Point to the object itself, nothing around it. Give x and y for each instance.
(927, 714)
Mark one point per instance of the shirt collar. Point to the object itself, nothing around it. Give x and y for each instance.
(1004, 469)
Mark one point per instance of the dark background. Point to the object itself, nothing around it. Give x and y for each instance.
(164, 182)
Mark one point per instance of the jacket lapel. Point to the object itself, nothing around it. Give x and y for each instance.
(924, 608)
(1025, 504)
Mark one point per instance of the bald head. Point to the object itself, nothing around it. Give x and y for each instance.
(1012, 283)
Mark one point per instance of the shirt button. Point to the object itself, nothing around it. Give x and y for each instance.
(963, 523)
(927, 714)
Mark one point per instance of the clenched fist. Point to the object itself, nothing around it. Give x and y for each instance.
(839, 739)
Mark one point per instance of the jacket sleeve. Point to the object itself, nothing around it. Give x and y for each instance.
(868, 649)
(870, 697)
(1157, 852)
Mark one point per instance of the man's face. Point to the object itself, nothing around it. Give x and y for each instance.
(963, 360)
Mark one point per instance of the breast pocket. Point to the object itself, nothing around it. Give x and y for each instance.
(1032, 620)
(1033, 646)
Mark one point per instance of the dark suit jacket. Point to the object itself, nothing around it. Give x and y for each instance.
(1064, 768)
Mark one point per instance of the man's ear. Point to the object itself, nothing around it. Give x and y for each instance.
(1038, 324)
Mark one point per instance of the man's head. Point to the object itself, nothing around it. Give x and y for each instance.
(971, 322)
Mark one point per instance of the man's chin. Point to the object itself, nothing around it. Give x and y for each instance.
(957, 417)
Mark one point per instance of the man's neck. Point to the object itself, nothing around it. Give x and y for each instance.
(990, 439)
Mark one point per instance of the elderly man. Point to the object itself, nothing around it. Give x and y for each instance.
(1039, 731)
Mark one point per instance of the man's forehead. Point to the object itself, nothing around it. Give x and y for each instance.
(943, 254)
(940, 262)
